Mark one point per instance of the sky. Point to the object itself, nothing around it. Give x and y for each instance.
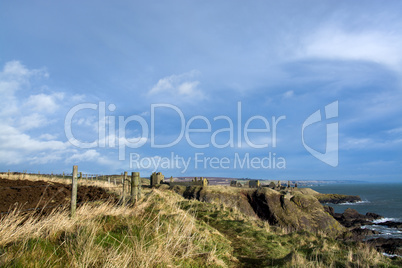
(259, 89)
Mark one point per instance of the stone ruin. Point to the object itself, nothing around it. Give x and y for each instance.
(279, 187)
(272, 185)
(237, 183)
(156, 179)
(201, 181)
(242, 183)
(254, 183)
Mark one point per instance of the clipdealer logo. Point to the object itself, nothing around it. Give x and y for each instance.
(112, 134)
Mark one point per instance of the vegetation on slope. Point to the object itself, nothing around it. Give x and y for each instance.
(157, 232)
(167, 230)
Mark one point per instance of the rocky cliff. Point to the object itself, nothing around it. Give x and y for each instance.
(294, 211)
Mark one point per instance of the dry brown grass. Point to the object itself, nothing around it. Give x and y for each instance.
(154, 233)
(157, 232)
(111, 187)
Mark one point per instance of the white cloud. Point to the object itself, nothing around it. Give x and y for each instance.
(14, 75)
(357, 143)
(334, 43)
(88, 155)
(188, 88)
(369, 143)
(15, 68)
(44, 102)
(92, 155)
(31, 121)
(78, 98)
(20, 111)
(15, 79)
(18, 147)
(47, 136)
(13, 139)
(395, 130)
(46, 157)
(146, 113)
(179, 86)
(288, 94)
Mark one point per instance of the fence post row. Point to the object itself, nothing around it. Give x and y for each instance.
(135, 187)
(74, 191)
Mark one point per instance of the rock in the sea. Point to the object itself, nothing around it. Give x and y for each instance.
(351, 218)
(337, 198)
(391, 224)
(358, 234)
(373, 216)
(388, 245)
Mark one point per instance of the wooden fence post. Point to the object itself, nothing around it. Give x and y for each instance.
(134, 186)
(139, 186)
(124, 184)
(74, 191)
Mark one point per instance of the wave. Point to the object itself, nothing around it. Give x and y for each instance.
(385, 220)
(354, 203)
(384, 232)
(391, 255)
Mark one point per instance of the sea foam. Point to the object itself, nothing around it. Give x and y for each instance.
(385, 220)
(354, 203)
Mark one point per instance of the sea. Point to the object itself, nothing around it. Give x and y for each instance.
(384, 199)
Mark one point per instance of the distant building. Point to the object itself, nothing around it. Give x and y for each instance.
(156, 179)
(254, 184)
(239, 183)
(245, 183)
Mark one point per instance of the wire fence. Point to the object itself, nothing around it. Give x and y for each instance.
(121, 185)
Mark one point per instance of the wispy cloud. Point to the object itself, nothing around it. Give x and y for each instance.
(369, 143)
(88, 155)
(332, 42)
(181, 87)
(44, 102)
(288, 94)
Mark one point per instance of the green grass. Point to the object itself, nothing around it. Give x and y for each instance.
(166, 230)
(256, 244)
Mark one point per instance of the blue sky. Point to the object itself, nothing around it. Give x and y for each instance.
(195, 65)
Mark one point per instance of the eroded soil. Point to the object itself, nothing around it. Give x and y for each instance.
(35, 195)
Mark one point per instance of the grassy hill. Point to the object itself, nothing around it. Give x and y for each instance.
(207, 227)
